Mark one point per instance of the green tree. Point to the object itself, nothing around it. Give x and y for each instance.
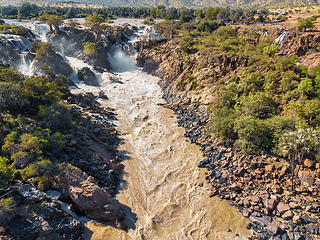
(54, 21)
(303, 24)
(96, 24)
(297, 144)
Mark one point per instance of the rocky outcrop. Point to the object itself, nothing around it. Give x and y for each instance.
(52, 59)
(92, 200)
(34, 215)
(71, 44)
(294, 44)
(88, 77)
(187, 78)
(312, 60)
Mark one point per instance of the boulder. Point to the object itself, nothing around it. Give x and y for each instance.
(270, 204)
(287, 215)
(308, 163)
(273, 228)
(269, 168)
(294, 205)
(52, 59)
(92, 200)
(312, 60)
(296, 219)
(88, 77)
(282, 208)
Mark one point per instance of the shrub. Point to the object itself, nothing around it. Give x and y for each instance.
(38, 169)
(56, 117)
(6, 204)
(12, 97)
(90, 48)
(5, 170)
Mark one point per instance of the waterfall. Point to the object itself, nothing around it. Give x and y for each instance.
(18, 42)
(280, 38)
(120, 61)
(26, 61)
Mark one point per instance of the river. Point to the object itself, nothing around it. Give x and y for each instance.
(165, 190)
(164, 193)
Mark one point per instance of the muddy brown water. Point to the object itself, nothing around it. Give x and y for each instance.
(165, 193)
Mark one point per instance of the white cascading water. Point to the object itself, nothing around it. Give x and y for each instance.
(164, 193)
(120, 61)
(164, 190)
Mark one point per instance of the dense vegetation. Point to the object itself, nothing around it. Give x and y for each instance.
(177, 3)
(33, 119)
(32, 11)
(258, 104)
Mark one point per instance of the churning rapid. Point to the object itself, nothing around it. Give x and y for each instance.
(162, 185)
(163, 192)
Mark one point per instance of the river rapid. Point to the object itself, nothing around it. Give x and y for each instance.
(165, 190)
(164, 193)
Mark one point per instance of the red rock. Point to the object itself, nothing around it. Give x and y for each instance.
(312, 60)
(294, 205)
(270, 204)
(255, 199)
(304, 174)
(284, 170)
(317, 165)
(269, 168)
(287, 215)
(246, 203)
(93, 201)
(308, 163)
(308, 208)
(235, 187)
(275, 197)
(245, 213)
(276, 189)
(282, 208)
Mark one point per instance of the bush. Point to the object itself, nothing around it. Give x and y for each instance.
(56, 117)
(5, 170)
(252, 134)
(6, 204)
(12, 97)
(90, 48)
(38, 169)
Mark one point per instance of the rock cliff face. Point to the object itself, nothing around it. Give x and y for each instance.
(299, 45)
(312, 60)
(187, 78)
(52, 59)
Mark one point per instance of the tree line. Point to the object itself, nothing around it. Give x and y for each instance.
(32, 11)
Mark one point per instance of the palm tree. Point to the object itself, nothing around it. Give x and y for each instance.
(298, 143)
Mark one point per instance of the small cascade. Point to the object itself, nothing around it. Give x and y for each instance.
(280, 38)
(26, 61)
(18, 42)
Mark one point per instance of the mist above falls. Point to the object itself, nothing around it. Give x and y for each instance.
(120, 61)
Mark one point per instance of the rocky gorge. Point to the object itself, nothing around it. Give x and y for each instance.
(258, 185)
